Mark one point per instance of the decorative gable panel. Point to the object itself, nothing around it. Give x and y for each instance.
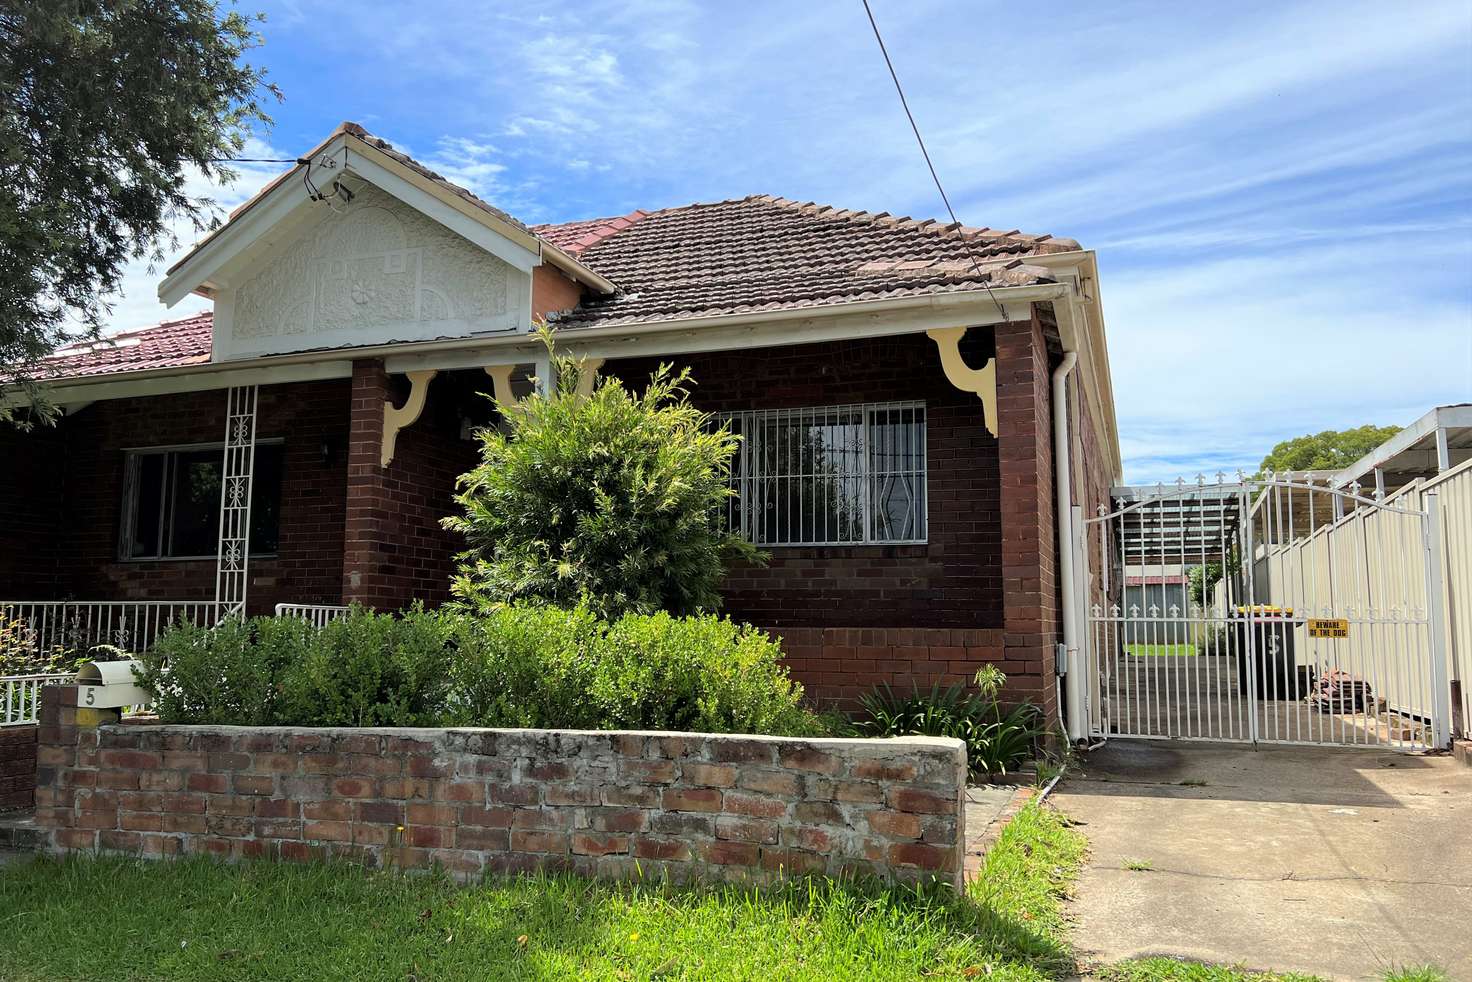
(370, 271)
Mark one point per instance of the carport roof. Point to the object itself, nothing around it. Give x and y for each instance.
(1182, 524)
(1414, 451)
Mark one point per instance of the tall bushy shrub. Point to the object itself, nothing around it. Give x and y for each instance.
(616, 500)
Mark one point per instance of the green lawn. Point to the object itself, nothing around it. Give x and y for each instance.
(125, 919)
(1159, 650)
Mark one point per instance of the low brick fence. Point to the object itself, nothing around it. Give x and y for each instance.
(17, 767)
(612, 804)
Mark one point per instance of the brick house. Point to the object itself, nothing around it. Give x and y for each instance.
(896, 383)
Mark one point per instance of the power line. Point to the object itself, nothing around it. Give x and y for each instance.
(256, 160)
(928, 163)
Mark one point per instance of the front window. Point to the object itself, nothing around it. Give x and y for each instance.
(837, 475)
(171, 502)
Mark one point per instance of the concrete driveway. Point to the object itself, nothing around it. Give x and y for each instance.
(1342, 863)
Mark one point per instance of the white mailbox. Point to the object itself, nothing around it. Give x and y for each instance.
(110, 685)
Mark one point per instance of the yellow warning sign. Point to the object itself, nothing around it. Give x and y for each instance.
(1328, 627)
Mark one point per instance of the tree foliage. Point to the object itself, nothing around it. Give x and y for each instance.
(616, 500)
(107, 107)
(1329, 450)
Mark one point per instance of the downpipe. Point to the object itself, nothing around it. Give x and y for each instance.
(1072, 682)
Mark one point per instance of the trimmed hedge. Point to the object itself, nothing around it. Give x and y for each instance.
(520, 666)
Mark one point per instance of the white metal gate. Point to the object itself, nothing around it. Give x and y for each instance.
(1280, 610)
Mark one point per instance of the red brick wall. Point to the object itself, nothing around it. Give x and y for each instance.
(1029, 537)
(17, 767)
(505, 801)
(954, 580)
(80, 483)
(397, 552)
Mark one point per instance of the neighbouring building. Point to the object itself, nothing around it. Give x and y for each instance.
(895, 382)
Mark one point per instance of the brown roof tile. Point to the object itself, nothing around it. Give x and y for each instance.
(769, 253)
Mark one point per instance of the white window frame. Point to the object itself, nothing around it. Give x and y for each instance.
(129, 516)
(742, 514)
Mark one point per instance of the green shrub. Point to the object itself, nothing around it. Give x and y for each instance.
(229, 674)
(703, 674)
(369, 669)
(517, 666)
(616, 500)
(997, 740)
(523, 666)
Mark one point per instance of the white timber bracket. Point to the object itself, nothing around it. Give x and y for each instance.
(588, 369)
(981, 382)
(501, 378)
(396, 418)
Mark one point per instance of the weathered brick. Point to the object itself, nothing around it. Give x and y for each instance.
(883, 770)
(599, 843)
(420, 813)
(895, 825)
(693, 773)
(770, 782)
(651, 847)
(807, 759)
(482, 839)
(723, 853)
(490, 818)
(530, 840)
(757, 805)
(691, 799)
(922, 856)
(647, 771)
(617, 819)
(747, 829)
(328, 831)
(924, 802)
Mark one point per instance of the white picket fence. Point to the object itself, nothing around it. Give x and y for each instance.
(73, 627)
(22, 697)
(318, 614)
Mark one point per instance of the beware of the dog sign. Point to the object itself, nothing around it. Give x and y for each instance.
(1328, 627)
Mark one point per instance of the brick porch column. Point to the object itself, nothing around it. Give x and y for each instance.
(367, 562)
(1029, 586)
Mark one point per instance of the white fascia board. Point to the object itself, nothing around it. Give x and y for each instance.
(868, 319)
(236, 236)
(873, 318)
(82, 391)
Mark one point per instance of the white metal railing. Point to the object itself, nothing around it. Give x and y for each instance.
(22, 697)
(318, 614)
(50, 629)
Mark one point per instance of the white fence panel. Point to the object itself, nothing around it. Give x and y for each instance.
(318, 614)
(1453, 491)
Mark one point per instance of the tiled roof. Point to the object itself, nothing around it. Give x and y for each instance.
(764, 253)
(172, 344)
(729, 257)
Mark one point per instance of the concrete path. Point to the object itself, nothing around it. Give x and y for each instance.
(1342, 863)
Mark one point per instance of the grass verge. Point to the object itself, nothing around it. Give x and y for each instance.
(1182, 970)
(117, 918)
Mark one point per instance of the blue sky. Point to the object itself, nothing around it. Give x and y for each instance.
(1280, 193)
